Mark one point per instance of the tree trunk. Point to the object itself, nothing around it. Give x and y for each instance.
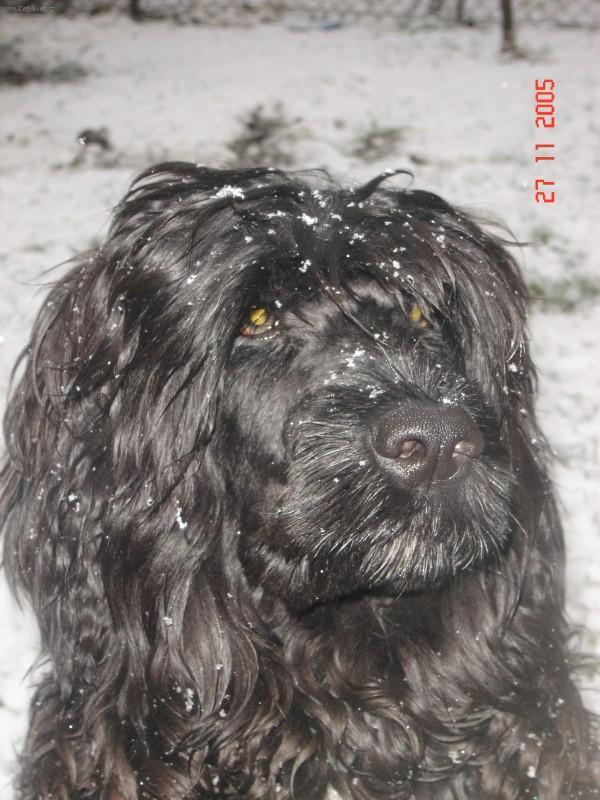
(509, 44)
(135, 10)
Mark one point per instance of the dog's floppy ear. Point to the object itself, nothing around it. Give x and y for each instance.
(106, 430)
(467, 274)
(107, 426)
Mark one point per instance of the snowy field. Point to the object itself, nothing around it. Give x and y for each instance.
(357, 100)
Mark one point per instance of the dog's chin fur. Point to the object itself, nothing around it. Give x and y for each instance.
(309, 552)
(238, 595)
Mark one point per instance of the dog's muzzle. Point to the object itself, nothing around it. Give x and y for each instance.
(420, 443)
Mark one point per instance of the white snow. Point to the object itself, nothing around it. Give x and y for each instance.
(181, 523)
(230, 191)
(466, 121)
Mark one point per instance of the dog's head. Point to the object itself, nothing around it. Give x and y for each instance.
(333, 384)
(374, 381)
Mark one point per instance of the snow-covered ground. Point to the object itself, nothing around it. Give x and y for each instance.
(453, 111)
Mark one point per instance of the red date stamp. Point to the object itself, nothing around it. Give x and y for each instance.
(545, 118)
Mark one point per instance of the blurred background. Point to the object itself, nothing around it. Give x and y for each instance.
(93, 92)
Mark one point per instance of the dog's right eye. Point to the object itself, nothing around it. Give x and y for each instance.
(417, 318)
(258, 322)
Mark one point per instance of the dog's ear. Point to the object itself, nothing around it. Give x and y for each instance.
(467, 274)
(492, 305)
(106, 432)
(108, 424)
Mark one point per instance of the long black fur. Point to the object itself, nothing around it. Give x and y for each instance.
(235, 598)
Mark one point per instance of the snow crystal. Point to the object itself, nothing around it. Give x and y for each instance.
(350, 360)
(182, 525)
(74, 501)
(189, 700)
(230, 191)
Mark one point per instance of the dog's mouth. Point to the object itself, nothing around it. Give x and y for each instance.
(324, 540)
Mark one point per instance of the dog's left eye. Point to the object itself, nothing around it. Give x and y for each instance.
(258, 322)
(417, 318)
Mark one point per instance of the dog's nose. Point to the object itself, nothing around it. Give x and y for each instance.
(424, 442)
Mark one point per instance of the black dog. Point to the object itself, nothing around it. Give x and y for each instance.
(278, 498)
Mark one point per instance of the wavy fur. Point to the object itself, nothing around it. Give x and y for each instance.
(235, 599)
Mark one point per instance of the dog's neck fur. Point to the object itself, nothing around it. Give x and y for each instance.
(404, 676)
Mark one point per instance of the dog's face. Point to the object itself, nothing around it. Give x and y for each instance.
(333, 373)
(370, 460)
(366, 376)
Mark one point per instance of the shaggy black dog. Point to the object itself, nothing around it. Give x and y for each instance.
(278, 498)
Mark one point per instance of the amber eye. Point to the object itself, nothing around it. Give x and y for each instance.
(417, 317)
(258, 321)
